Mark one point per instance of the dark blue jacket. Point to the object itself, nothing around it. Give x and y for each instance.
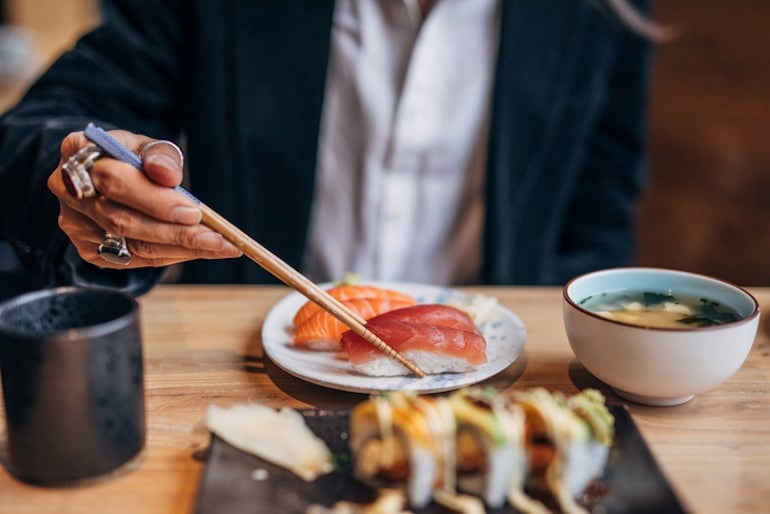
(242, 83)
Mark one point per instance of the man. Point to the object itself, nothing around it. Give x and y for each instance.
(543, 164)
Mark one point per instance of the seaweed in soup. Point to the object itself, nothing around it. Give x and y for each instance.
(651, 299)
(709, 314)
(660, 309)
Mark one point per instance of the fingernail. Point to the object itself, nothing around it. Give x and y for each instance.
(230, 250)
(214, 242)
(186, 215)
(210, 241)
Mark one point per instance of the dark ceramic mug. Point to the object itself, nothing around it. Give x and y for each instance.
(72, 374)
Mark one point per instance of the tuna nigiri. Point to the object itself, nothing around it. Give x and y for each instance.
(322, 331)
(449, 342)
(433, 314)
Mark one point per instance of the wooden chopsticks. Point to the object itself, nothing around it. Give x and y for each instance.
(299, 282)
(261, 255)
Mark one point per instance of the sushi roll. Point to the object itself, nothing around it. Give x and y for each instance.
(438, 338)
(490, 455)
(404, 440)
(567, 441)
(487, 445)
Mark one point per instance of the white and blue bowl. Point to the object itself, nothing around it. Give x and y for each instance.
(658, 366)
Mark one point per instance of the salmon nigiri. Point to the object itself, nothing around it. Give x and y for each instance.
(344, 292)
(436, 347)
(322, 331)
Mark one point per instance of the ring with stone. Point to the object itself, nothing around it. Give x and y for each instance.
(114, 249)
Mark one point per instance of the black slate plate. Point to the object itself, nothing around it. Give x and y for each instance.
(632, 482)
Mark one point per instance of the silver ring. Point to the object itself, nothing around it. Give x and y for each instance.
(114, 249)
(77, 176)
(167, 142)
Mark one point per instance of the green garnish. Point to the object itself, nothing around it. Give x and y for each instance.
(709, 315)
(657, 298)
(339, 459)
(350, 279)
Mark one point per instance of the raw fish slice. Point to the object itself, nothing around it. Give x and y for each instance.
(349, 292)
(322, 331)
(433, 314)
(434, 348)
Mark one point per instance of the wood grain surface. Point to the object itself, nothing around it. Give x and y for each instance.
(203, 346)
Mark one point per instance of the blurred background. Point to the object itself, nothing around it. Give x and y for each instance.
(707, 206)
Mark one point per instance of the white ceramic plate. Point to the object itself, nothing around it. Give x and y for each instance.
(504, 332)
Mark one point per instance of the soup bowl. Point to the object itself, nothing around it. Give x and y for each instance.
(656, 365)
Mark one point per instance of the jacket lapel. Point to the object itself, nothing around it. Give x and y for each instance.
(280, 52)
(541, 44)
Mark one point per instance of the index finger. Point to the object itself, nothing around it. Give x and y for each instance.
(124, 184)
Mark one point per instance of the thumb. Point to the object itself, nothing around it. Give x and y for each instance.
(163, 162)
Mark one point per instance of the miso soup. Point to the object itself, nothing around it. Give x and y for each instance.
(662, 310)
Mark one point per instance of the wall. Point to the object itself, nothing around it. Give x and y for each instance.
(708, 205)
(50, 27)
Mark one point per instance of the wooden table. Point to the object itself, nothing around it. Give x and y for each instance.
(202, 346)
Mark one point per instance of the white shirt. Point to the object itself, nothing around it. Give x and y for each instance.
(402, 149)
